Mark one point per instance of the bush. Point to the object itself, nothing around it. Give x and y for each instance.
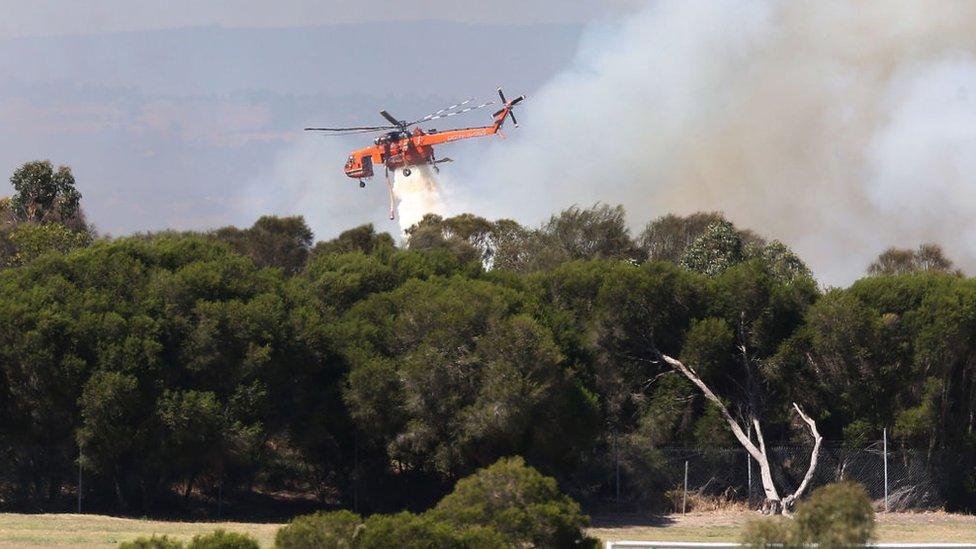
(154, 542)
(506, 505)
(767, 532)
(322, 530)
(408, 531)
(221, 539)
(836, 515)
(526, 507)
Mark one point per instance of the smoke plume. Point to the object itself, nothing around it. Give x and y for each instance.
(840, 128)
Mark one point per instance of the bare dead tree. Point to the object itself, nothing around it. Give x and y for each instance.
(773, 504)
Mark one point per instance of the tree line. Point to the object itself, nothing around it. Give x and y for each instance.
(372, 374)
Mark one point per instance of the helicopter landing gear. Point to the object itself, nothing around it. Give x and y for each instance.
(406, 172)
(362, 184)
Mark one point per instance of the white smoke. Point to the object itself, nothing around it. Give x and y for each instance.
(416, 195)
(839, 127)
(306, 179)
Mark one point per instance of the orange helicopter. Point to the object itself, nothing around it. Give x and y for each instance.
(400, 147)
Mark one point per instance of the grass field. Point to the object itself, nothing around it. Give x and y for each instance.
(69, 531)
(725, 525)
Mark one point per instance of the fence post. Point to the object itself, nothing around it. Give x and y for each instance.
(79, 478)
(616, 459)
(884, 434)
(220, 495)
(684, 499)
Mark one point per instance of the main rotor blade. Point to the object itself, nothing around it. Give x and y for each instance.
(442, 111)
(502, 95)
(453, 113)
(518, 100)
(514, 121)
(351, 129)
(392, 120)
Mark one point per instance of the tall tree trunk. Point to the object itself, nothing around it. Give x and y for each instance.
(773, 503)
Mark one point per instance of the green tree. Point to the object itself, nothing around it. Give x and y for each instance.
(717, 249)
(272, 241)
(28, 241)
(667, 237)
(433, 361)
(43, 194)
(363, 238)
(110, 407)
(894, 261)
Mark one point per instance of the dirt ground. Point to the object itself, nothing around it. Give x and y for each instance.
(725, 526)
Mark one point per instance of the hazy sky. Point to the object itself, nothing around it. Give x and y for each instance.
(839, 128)
(59, 17)
(179, 114)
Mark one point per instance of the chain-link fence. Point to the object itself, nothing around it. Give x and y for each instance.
(616, 478)
(685, 478)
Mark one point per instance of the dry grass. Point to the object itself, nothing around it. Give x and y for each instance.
(725, 526)
(69, 531)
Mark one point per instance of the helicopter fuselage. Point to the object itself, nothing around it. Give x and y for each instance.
(401, 149)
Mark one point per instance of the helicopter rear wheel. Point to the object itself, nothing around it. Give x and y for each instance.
(362, 184)
(406, 172)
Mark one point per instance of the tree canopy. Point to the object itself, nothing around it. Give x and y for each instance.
(366, 371)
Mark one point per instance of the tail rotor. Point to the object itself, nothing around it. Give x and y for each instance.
(508, 106)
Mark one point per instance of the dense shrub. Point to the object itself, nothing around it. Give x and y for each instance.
(221, 539)
(506, 505)
(767, 532)
(409, 531)
(519, 502)
(323, 530)
(836, 515)
(154, 542)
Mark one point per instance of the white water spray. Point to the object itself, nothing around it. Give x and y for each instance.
(416, 195)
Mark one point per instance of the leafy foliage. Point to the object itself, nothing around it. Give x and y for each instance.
(506, 505)
(43, 194)
(836, 515)
(186, 363)
(666, 238)
(768, 532)
(282, 242)
(525, 506)
(895, 261)
(335, 530)
(222, 539)
(28, 241)
(153, 542)
(716, 250)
